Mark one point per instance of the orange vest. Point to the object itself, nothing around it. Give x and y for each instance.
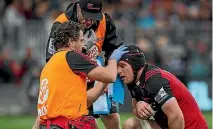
(100, 31)
(62, 92)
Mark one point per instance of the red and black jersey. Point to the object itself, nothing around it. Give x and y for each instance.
(156, 86)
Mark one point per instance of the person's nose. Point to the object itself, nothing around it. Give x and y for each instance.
(119, 70)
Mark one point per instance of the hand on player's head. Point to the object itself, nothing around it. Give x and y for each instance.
(119, 52)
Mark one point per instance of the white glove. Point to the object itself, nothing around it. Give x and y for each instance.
(93, 52)
(89, 39)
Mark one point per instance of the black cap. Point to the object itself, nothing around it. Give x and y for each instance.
(91, 9)
(135, 57)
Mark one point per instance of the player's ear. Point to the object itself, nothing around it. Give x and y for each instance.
(71, 44)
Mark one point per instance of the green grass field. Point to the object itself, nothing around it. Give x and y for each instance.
(26, 122)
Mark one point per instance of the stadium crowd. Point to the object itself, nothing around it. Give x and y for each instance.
(175, 35)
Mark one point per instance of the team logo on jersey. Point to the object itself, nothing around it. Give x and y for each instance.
(138, 83)
(161, 96)
(44, 91)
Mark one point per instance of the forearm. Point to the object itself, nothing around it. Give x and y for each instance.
(112, 67)
(135, 113)
(36, 124)
(94, 93)
(176, 122)
(134, 102)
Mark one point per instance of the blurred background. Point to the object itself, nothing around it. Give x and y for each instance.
(175, 35)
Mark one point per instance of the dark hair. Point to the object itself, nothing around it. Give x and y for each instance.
(64, 32)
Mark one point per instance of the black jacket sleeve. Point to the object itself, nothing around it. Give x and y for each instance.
(50, 50)
(112, 40)
(71, 15)
(80, 63)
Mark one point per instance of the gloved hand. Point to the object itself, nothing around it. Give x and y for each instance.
(93, 52)
(90, 39)
(119, 52)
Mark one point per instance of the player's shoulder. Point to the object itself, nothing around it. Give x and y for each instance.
(78, 56)
(155, 83)
(110, 25)
(74, 54)
(67, 15)
(61, 18)
(153, 77)
(108, 17)
(152, 72)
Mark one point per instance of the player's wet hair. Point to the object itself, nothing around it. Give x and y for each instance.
(135, 57)
(64, 32)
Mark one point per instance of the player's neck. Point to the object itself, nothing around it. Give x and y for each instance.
(65, 49)
(139, 74)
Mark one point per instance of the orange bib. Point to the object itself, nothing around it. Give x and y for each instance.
(62, 92)
(100, 33)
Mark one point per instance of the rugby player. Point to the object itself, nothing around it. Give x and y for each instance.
(158, 93)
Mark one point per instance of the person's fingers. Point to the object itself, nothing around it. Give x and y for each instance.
(142, 108)
(147, 112)
(123, 48)
(120, 48)
(93, 33)
(124, 52)
(86, 35)
(145, 116)
(145, 107)
(149, 109)
(142, 115)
